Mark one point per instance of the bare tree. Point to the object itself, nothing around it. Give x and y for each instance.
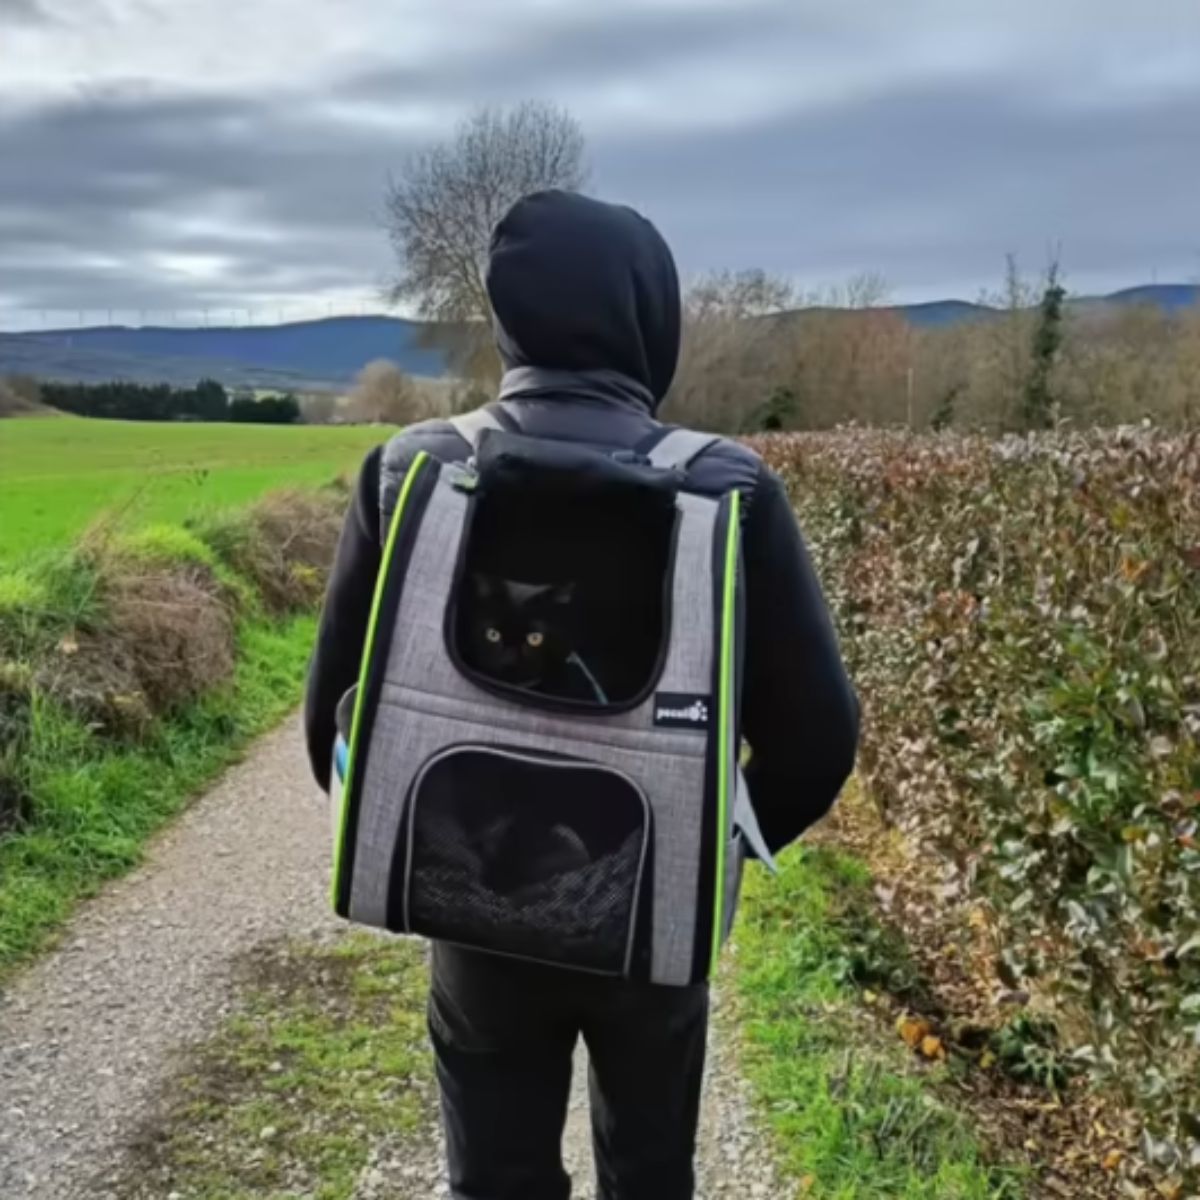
(737, 295)
(383, 393)
(868, 289)
(19, 394)
(318, 408)
(1187, 408)
(729, 349)
(759, 356)
(1000, 372)
(757, 353)
(447, 198)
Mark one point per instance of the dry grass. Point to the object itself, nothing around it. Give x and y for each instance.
(283, 545)
(176, 628)
(297, 533)
(14, 726)
(167, 636)
(149, 621)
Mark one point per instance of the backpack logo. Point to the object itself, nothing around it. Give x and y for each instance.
(675, 711)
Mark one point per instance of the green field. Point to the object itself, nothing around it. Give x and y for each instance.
(60, 474)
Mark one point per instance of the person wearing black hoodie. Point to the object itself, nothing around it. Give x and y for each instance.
(587, 313)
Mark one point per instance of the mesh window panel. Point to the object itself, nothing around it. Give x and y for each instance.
(535, 857)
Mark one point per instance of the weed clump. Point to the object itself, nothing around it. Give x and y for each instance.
(129, 627)
(15, 714)
(283, 545)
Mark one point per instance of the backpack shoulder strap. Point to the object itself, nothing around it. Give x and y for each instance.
(472, 426)
(677, 449)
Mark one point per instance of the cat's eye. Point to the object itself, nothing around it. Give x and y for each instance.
(492, 635)
(535, 639)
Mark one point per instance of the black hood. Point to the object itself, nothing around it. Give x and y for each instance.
(579, 285)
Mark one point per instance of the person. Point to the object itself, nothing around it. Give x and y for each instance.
(587, 312)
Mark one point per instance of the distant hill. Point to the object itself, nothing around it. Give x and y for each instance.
(1170, 297)
(326, 355)
(309, 354)
(21, 354)
(936, 313)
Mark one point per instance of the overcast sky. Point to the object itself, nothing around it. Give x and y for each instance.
(176, 155)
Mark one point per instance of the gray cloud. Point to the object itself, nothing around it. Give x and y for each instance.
(14, 11)
(932, 188)
(568, 52)
(754, 134)
(124, 187)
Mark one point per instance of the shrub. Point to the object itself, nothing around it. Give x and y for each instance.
(131, 626)
(283, 545)
(164, 544)
(19, 395)
(44, 599)
(1023, 621)
(16, 690)
(142, 638)
(383, 393)
(175, 629)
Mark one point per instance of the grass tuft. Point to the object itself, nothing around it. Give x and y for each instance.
(89, 806)
(852, 1115)
(20, 592)
(165, 544)
(324, 1060)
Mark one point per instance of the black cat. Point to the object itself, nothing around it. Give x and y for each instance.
(524, 635)
(518, 852)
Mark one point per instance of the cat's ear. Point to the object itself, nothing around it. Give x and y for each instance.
(561, 593)
(520, 594)
(483, 587)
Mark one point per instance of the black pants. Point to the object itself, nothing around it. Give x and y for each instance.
(504, 1034)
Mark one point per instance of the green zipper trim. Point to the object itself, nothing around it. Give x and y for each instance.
(725, 715)
(381, 579)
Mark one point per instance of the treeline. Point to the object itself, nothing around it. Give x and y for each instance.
(207, 401)
(758, 357)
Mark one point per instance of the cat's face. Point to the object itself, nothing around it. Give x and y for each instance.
(517, 631)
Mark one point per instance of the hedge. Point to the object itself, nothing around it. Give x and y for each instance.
(1022, 618)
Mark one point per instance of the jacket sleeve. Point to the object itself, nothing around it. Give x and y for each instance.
(343, 628)
(799, 710)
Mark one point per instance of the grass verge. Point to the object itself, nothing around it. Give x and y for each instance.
(95, 803)
(323, 1063)
(853, 1114)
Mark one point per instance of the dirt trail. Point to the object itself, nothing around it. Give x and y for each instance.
(89, 1036)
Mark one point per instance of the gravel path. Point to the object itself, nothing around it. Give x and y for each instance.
(144, 970)
(89, 1035)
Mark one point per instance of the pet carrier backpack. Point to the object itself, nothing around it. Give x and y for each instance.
(574, 799)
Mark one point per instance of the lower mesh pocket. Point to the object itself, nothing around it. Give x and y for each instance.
(528, 855)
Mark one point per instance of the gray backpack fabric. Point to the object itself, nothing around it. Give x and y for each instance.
(602, 834)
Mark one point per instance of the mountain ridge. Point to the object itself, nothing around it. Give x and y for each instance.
(326, 353)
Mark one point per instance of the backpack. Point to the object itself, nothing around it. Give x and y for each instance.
(576, 799)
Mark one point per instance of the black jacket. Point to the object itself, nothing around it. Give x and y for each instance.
(587, 309)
